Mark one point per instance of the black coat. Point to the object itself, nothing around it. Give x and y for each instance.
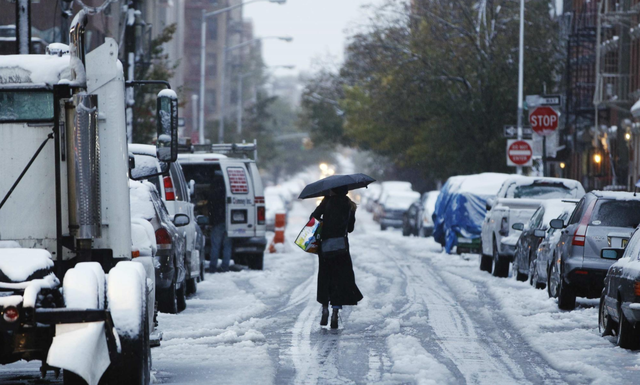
(336, 281)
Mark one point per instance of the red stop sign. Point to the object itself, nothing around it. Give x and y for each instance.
(544, 120)
(519, 152)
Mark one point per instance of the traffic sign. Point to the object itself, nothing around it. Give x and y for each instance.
(511, 132)
(544, 120)
(543, 100)
(519, 152)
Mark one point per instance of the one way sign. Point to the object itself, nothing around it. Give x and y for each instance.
(512, 132)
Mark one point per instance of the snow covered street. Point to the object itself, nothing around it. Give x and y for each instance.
(427, 318)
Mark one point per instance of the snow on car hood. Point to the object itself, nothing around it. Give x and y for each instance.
(19, 264)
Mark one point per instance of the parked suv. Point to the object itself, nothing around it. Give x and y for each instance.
(244, 197)
(176, 195)
(601, 219)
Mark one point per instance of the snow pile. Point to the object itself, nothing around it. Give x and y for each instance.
(19, 264)
(33, 69)
(9, 245)
(140, 200)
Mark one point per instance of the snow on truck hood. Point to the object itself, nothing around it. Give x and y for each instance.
(19, 264)
(34, 69)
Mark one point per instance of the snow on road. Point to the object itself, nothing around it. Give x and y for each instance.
(427, 318)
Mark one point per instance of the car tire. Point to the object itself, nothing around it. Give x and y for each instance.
(256, 262)
(566, 296)
(192, 286)
(605, 322)
(383, 227)
(202, 269)
(168, 299)
(535, 277)
(628, 337)
(517, 274)
(486, 263)
(70, 378)
(405, 231)
(500, 267)
(181, 295)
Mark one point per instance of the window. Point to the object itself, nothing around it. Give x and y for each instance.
(536, 218)
(26, 106)
(577, 214)
(237, 180)
(615, 213)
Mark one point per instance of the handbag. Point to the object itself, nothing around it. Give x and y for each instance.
(309, 236)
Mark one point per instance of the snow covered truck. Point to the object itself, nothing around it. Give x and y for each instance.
(72, 292)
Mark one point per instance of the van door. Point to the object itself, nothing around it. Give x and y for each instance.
(241, 220)
(259, 201)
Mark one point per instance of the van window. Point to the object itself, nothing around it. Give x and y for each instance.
(205, 176)
(179, 184)
(238, 180)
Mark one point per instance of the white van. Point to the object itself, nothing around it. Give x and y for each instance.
(245, 205)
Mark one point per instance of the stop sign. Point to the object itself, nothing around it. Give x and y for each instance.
(519, 153)
(544, 120)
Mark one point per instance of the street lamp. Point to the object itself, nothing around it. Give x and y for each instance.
(203, 36)
(240, 98)
(224, 71)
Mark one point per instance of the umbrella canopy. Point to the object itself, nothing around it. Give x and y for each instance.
(322, 187)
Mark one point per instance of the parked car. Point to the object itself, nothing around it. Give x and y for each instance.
(518, 198)
(175, 192)
(244, 196)
(428, 208)
(461, 208)
(547, 251)
(393, 207)
(370, 195)
(412, 218)
(620, 300)
(387, 188)
(601, 219)
(532, 234)
(170, 243)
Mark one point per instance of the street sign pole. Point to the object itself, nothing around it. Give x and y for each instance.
(544, 156)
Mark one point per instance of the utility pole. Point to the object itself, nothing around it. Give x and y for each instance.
(23, 27)
(520, 77)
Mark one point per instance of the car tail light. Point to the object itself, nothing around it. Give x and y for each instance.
(636, 288)
(163, 239)
(581, 272)
(259, 200)
(11, 314)
(581, 232)
(261, 215)
(169, 192)
(135, 253)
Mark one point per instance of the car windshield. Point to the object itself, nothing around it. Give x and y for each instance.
(145, 165)
(398, 202)
(543, 191)
(616, 213)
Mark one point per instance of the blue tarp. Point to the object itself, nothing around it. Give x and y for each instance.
(461, 207)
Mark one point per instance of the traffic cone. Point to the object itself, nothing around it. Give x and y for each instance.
(279, 232)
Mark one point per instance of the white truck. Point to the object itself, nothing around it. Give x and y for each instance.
(245, 212)
(72, 295)
(517, 200)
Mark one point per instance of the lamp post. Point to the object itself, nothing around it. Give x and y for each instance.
(240, 110)
(521, 78)
(203, 36)
(224, 71)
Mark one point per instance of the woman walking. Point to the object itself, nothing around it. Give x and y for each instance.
(336, 281)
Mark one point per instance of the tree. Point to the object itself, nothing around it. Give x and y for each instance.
(430, 87)
(157, 68)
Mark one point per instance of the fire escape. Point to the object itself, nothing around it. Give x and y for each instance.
(616, 90)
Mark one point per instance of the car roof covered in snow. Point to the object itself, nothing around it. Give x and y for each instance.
(143, 149)
(200, 157)
(619, 195)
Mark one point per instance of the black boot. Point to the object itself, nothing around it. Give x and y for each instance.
(325, 316)
(334, 319)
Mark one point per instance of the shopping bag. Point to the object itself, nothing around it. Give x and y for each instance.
(307, 240)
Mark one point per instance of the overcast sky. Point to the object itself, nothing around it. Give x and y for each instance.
(317, 27)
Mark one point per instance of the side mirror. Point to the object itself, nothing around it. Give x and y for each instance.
(180, 220)
(612, 254)
(518, 226)
(490, 203)
(132, 162)
(557, 224)
(539, 233)
(167, 126)
(202, 220)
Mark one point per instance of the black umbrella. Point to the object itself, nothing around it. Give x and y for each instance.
(322, 187)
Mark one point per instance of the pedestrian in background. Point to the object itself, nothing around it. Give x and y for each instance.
(336, 280)
(220, 242)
